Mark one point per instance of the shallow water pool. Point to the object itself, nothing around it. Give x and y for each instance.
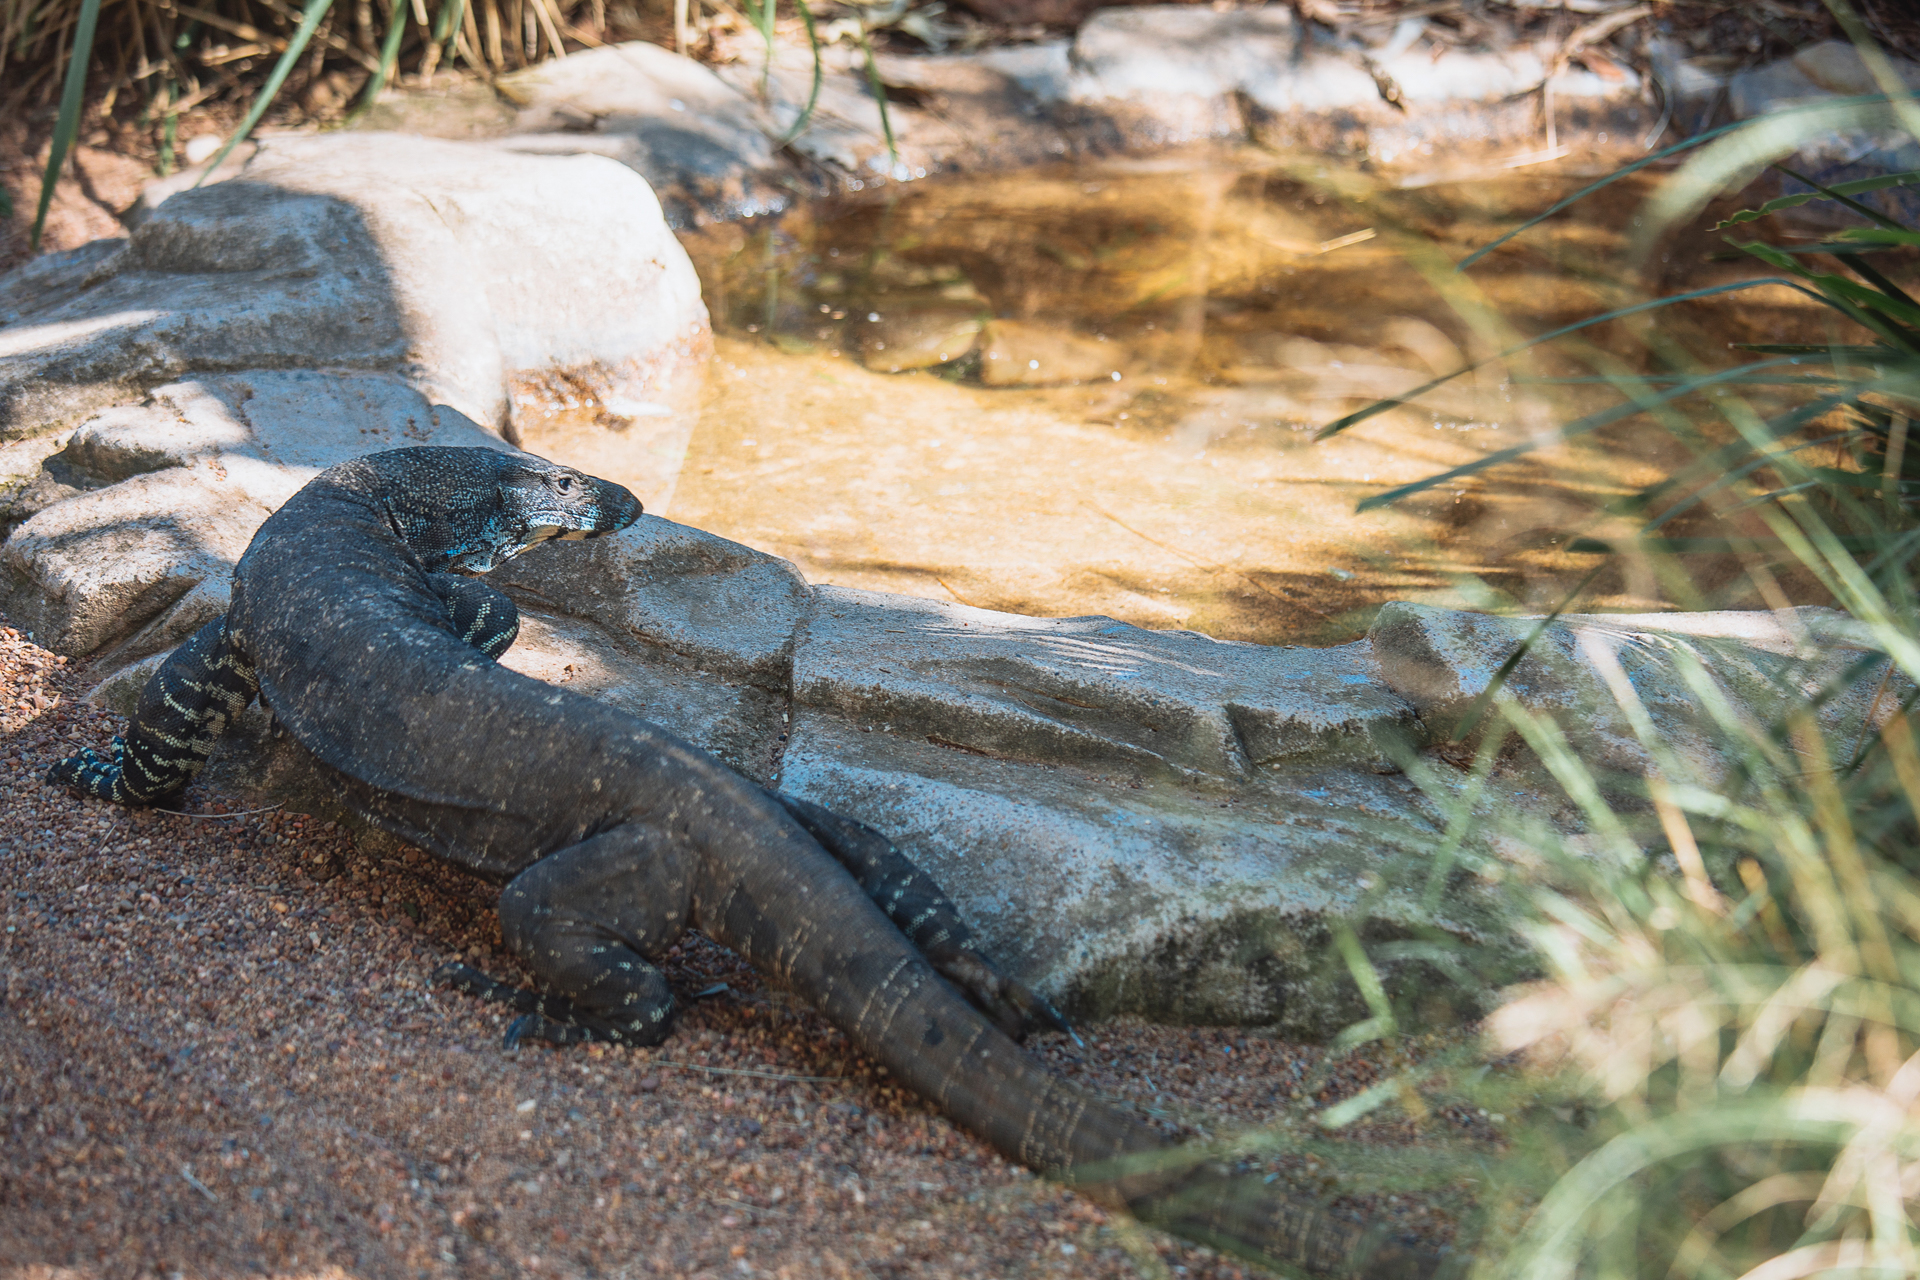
(1095, 390)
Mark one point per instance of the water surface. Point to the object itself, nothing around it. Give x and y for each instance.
(1110, 377)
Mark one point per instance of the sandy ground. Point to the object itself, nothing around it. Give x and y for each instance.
(219, 1056)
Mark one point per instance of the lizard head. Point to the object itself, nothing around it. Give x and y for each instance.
(543, 500)
(469, 510)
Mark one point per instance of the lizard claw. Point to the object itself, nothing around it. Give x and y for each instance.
(1010, 1004)
(519, 1028)
(553, 1018)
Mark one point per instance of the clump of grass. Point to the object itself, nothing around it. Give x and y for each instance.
(173, 58)
(1722, 1049)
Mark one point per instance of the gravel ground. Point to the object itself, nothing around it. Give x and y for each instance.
(219, 1056)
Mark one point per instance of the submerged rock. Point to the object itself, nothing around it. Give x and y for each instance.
(1015, 353)
(917, 336)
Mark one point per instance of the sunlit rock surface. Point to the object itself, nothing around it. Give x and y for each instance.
(700, 143)
(142, 516)
(451, 266)
(759, 129)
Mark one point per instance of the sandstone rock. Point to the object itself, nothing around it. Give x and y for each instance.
(691, 599)
(1117, 894)
(442, 262)
(1172, 73)
(152, 504)
(1136, 821)
(1091, 690)
(963, 111)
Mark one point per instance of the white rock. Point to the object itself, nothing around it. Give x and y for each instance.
(455, 265)
(705, 147)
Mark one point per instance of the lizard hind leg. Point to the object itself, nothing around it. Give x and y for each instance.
(184, 709)
(922, 911)
(583, 920)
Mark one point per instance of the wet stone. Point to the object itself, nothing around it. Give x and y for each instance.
(909, 337)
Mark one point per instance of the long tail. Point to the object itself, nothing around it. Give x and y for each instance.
(890, 1001)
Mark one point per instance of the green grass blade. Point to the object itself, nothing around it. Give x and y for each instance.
(1865, 355)
(1857, 187)
(446, 27)
(1578, 427)
(1471, 720)
(763, 20)
(813, 97)
(389, 59)
(1866, 211)
(880, 99)
(1734, 462)
(1871, 274)
(1685, 145)
(309, 23)
(67, 125)
(1863, 306)
(1878, 236)
(1855, 542)
(1656, 379)
(1381, 406)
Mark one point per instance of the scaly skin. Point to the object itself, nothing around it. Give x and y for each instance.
(613, 836)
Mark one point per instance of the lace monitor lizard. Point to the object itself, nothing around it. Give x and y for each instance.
(351, 619)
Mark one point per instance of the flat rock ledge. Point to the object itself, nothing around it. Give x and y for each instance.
(1149, 822)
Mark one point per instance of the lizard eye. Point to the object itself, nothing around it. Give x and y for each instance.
(564, 484)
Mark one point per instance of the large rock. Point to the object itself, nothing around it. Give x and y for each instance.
(145, 512)
(447, 264)
(1168, 74)
(1135, 821)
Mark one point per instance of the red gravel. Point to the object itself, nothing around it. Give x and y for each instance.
(219, 1056)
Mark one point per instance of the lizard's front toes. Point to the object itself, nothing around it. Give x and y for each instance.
(86, 771)
(583, 1028)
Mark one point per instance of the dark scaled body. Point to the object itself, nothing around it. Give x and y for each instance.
(612, 836)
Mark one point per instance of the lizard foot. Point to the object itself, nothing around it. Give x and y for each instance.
(103, 777)
(555, 1018)
(91, 773)
(1010, 1005)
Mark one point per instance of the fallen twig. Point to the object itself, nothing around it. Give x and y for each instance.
(218, 817)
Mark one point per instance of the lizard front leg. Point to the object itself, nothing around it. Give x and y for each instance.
(480, 615)
(584, 920)
(184, 709)
(919, 909)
